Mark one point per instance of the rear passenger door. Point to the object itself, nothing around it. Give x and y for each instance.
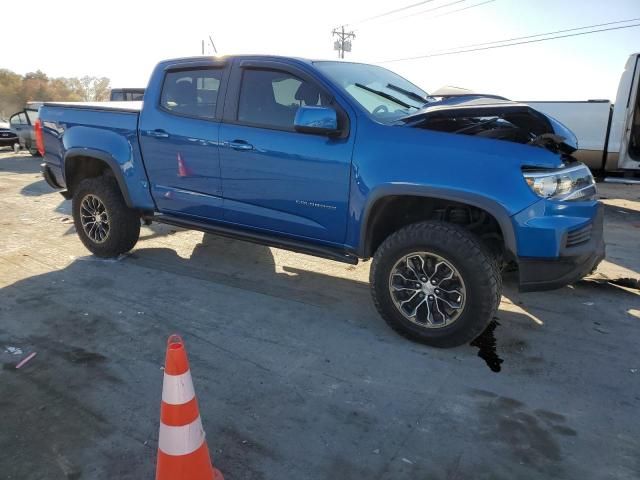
(179, 141)
(275, 178)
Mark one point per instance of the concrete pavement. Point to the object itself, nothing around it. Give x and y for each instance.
(296, 374)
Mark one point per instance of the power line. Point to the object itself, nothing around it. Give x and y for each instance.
(390, 12)
(421, 12)
(460, 9)
(617, 22)
(435, 54)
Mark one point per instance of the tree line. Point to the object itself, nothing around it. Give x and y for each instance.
(16, 89)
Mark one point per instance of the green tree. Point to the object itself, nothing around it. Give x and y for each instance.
(10, 86)
(16, 90)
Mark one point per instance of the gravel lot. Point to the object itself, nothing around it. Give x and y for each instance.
(296, 375)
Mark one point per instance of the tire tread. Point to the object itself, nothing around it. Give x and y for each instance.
(435, 232)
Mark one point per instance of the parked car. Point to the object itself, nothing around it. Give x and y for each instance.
(127, 94)
(7, 136)
(341, 160)
(22, 123)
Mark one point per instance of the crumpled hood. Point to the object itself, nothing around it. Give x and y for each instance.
(545, 128)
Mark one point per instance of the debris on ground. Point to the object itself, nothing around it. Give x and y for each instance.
(24, 361)
(13, 350)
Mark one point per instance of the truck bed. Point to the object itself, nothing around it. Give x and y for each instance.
(107, 131)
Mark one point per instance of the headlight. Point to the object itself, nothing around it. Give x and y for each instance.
(574, 183)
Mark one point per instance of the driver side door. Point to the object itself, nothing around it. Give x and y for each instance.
(275, 178)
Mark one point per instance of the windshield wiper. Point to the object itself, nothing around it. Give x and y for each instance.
(385, 95)
(408, 93)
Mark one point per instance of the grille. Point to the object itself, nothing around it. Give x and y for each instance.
(579, 236)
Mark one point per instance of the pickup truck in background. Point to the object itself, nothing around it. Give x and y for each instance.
(126, 94)
(608, 134)
(340, 160)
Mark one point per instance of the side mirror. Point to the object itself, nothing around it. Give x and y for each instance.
(318, 120)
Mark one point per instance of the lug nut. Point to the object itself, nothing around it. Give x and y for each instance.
(433, 282)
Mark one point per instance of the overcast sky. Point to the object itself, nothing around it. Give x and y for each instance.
(124, 39)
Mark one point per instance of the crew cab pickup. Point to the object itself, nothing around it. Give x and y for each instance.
(340, 160)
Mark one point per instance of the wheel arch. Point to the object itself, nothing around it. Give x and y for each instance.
(379, 198)
(81, 163)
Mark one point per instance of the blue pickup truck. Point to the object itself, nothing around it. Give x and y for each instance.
(344, 161)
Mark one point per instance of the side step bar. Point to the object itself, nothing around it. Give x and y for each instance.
(257, 237)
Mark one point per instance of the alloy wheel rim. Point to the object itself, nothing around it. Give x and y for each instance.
(94, 218)
(427, 290)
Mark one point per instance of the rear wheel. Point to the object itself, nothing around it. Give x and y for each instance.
(435, 283)
(105, 225)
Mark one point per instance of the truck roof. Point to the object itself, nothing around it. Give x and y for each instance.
(243, 55)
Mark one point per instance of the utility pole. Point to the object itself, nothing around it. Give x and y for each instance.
(215, 50)
(343, 44)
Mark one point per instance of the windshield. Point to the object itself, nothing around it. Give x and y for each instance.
(384, 94)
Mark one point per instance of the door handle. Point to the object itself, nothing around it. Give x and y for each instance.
(239, 145)
(157, 133)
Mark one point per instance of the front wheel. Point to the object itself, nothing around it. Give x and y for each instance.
(106, 226)
(435, 283)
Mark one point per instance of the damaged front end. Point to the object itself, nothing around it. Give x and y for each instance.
(494, 118)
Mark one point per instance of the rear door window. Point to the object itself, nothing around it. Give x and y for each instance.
(18, 119)
(32, 116)
(193, 93)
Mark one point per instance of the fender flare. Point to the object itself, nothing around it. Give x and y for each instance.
(111, 162)
(490, 206)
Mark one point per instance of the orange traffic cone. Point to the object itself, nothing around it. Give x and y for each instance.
(182, 449)
(183, 170)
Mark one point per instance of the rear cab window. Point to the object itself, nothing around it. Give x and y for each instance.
(192, 93)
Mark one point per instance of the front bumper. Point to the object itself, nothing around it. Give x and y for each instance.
(578, 255)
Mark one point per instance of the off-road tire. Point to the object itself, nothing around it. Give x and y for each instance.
(467, 254)
(124, 222)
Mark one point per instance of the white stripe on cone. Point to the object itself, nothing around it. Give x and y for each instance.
(181, 440)
(177, 389)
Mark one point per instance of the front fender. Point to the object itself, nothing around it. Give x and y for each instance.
(399, 189)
